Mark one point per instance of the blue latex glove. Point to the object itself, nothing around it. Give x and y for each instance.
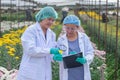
(72, 52)
(81, 60)
(54, 51)
(57, 57)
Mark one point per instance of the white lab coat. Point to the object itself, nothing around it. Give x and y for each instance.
(85, 47)
(36, 59)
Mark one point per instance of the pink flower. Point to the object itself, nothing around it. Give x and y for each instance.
(1, 73)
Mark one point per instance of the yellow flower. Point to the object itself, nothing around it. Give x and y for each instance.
(8, 47)
(81, 12)
(7, 41)
(16, 40)
(9, 52)
(12, 50)
(6, 36)
(12, 54)
(1, 43)
(17, 58)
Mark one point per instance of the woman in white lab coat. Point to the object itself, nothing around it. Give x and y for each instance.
(73, 42)
(38, 43)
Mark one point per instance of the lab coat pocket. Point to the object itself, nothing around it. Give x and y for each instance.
(29, 72)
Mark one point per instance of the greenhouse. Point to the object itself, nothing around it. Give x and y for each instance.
(99, 20)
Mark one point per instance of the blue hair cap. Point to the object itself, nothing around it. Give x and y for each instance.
(46, 12)
(72, 19)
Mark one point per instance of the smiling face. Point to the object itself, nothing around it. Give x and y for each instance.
(71, 30)
(46, 23)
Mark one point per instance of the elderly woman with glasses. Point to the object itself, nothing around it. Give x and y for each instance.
(39, 43)
(75, 42)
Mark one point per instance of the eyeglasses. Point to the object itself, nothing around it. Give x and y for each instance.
(71, 29)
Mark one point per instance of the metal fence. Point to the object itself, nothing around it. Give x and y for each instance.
(104, 30)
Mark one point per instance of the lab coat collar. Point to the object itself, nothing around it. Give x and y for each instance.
(48, 34)
(80, 35)
(39, 27)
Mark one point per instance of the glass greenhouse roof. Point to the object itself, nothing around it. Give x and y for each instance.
(52, 2)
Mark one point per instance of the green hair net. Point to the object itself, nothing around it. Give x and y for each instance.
(46, 12)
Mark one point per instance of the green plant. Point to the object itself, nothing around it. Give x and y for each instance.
(11, 49)
(108, 39)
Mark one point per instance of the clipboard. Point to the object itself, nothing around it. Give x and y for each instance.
(69, 61)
